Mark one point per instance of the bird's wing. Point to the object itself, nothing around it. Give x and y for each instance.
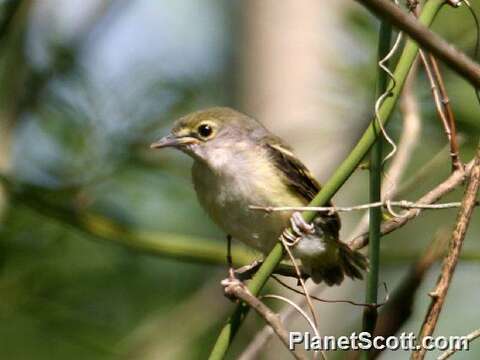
(298, 177)
(296, 174)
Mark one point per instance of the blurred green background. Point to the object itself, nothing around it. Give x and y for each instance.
(94, 225)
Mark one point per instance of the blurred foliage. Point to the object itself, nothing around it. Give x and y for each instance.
(85, 87)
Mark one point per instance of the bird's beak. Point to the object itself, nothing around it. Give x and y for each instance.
(173, 141)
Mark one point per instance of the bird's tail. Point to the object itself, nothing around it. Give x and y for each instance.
(333, 270)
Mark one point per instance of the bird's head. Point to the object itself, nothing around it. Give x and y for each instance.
(212, 132)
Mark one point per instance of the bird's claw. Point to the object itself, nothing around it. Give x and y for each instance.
(247, 271)
(229, 285)
(300, 226)
(299, 229)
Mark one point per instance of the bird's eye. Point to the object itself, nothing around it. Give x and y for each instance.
(205, 130)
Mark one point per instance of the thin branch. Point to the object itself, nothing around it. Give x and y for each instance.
(439, 294)
(329, 301)
(470, 337)
(297, 308)
(447, 107)
(251, 352)
(455, 59)
(436, 94)
(448, 185)
(239, 291)
(404, 204)
(440, 96)
(477, 41)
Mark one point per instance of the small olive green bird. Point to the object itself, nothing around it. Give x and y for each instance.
(239, 163)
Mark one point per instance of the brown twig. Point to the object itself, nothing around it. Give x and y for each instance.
(436, 94)
(450, 261)
(447, 107)
(442, 105)
(427, 39)
(238, 290)
(440, 96)
(329, 301)
(455, 179)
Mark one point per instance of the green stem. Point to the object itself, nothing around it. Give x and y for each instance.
(171, 245)
(370, 314)
(343, 172)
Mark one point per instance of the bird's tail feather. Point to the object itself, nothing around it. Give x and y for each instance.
(348, 263)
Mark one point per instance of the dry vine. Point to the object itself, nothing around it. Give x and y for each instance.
(450, 261)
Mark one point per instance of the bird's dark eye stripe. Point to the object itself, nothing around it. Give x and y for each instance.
(204, 130)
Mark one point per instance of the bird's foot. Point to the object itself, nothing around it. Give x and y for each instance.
(234, 287)
(246, 272)
(299, 229)
(300, 226)
(237, 276)
(230, 283)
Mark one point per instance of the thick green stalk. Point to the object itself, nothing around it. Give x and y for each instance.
(171, 245)
(343, 172)
(370, 314)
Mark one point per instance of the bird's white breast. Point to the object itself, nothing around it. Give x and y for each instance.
(234, 180)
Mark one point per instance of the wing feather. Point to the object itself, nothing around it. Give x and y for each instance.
(299, 178)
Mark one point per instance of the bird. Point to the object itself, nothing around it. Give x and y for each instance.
(238, 163)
